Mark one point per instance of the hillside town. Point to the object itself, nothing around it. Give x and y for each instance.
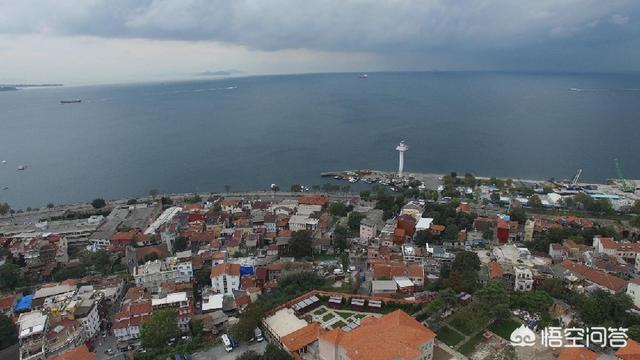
(449, 272)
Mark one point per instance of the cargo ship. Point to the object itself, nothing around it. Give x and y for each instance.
(73, 101)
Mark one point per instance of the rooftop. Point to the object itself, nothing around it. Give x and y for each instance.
(284, 322)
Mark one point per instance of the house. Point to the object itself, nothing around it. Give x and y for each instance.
(299, 341)
(597, 278)
(503, 231)
(629, 352)
(393, 336)
(633, 290)
(495, 270)
(270, 222)
(7, 302)
(523, 279)
(407, 223)
(577, 353)
(556, 251)
(424, 224)
(368, 230)
(32, 329)
(178, 301)
(313, 200)
(79, 353)
(225, 278)
(383, 287)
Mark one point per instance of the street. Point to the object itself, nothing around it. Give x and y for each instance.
(104, 343)
(218, 353)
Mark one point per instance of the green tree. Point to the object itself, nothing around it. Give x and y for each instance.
(487, 234)
(422, 237)
(465, 261)
(50, 206)
(354, 220)
(365, 194)
(518, 214)
(494, 297)
(4, 208)
(9, 276)
(273, 352)
(248, 321)
(430, 195)
(296, 188)
(451, 232)
(98, 203)
(537, 301)
(535, 202)
(340, 238)
(495, 196)
(249, 355)
(604, 309)
(469, 180)
(195, 199)
(634, 332)
(132, 201)
(161, 326)
(166, 201)
(180, 244)
(153, 193)
(300, 244)
(338, 209)
(8, 332)
(197, 327)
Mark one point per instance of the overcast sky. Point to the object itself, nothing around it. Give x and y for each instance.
(103, 41)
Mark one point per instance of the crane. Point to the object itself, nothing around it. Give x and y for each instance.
(626, 185)
(574, 183)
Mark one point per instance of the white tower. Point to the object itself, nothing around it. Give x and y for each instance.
(401, 149)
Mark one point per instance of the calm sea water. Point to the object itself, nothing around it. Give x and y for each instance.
(123, 140)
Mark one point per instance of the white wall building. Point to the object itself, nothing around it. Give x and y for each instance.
(225, 278)
(523, 279)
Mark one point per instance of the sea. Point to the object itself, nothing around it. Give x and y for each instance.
(254, 131)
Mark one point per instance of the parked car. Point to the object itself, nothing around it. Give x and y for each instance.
(227, 343)
(258, 334)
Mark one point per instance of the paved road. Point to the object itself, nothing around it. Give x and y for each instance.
(218, 353)
(104, 343)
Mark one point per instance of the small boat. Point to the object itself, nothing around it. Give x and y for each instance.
(22, 167)
(363, 76)
(73, 101)
(4, 161)
(5, 188)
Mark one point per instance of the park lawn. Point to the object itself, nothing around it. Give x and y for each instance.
(504, 328)
(361, 316)
(327, 316)
(320, 311)
(338, 324)
(448, 336)
(468, 347)
(470, 319)
(344, 314)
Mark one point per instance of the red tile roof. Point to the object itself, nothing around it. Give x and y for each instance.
(601, 278)
(226, 268)
(393, 336)
(302, 337)
(313, 200)
(79, 353)
(629, 352)
(577, 353)
(495, 270)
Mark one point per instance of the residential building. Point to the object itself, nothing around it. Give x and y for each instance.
(153, 273)
(178, 301)
(523, 279)
(32, 329)
(225, 278)
(368, 230)
(393, 336)
(592, 277)
(79, 353)
(87, 313)
(556, 251)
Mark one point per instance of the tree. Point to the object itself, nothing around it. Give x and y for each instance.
(465, 261)
(604, 309)
(101, 261)
(535, 202)
(50, 206)
(430, 195)
(634, 332)
(4, 208)
(296, 188)
(537, 301)
(495, 196)
(354, 220)
(451, 232)
(9, 276)
(8, 332)
(300, 244)
(423, 237)
(132, 201)
(338, 209)
(249, 355)
(469, 180)
(494, 298)
(248, 321)
(340, 238)
(153, 193)
(487, 234)
(195, 199)
(98, 203)
(227, 188)
(273, 352)
(518, 214)
(180, 244)
(166, 201)
(365, 194)
(161, 326)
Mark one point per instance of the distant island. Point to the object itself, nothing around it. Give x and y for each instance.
(15, 87)
(219, 73)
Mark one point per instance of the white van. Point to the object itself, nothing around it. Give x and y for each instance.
(258, 334)
(227, 343)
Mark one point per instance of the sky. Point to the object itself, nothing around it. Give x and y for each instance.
(110, 41)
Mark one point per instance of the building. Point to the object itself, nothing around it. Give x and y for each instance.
(178, 301)
(135, 309)
(593, 277)
(368, 230)
(225, 278)
(153, 273)
(79, 353)
(523, 279)
(424, 224)
(87, 313)
(577, 353)
(32, 330)
(556, 251)
(393, 336)
(633, 290)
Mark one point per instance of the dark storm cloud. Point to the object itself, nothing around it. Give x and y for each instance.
(498, 34)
